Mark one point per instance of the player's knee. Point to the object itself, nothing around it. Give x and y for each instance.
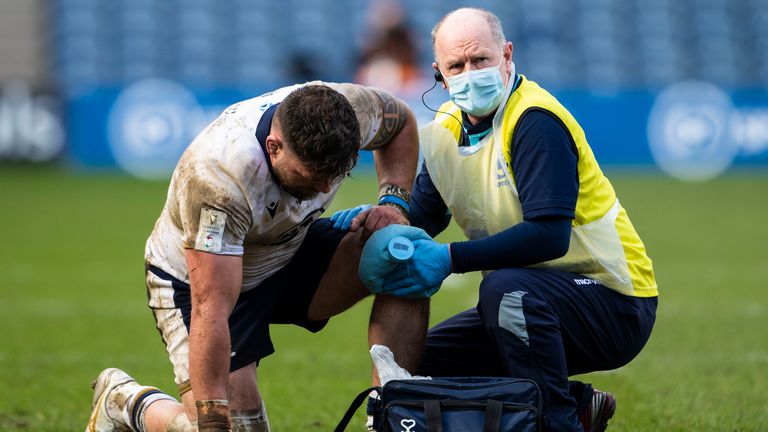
(346, 257)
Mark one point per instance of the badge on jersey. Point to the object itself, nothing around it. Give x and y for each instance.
(211, 230)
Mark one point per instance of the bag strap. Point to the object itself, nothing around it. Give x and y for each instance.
(493, 416)
(353, 408)
(434, 415)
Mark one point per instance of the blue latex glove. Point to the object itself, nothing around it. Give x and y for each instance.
(343, 218)
(400, 284)
(422, 275)
(376, 264)
(418, 277)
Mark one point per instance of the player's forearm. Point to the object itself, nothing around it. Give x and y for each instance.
(209, 357)
(209, 354)
(215, 282)
(396, 162)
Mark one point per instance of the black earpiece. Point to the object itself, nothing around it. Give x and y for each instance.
(464, 139)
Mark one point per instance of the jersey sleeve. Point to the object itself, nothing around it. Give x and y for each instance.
(380, 114)
(215, 214)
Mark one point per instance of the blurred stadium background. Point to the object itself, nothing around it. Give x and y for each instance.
(98, 98)
(674, 84)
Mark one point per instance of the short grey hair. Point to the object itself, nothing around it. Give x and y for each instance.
(497, 32)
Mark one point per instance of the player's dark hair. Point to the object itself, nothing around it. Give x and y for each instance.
(320, 126)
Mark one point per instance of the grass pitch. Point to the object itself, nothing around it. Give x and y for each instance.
(72, 302)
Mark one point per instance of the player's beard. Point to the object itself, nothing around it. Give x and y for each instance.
(292, 186)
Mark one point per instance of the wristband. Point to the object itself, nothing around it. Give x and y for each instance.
(395, 200)
(393, 189)
(213, 415)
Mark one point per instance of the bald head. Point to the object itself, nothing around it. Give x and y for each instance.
(466, 42)
(467, 22)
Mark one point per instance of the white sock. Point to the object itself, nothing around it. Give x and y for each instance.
(181, 423)
(133, 414)
(250, 420)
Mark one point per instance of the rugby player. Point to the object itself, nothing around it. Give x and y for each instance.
(239, 245)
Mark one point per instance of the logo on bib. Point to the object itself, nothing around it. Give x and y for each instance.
(501, 175)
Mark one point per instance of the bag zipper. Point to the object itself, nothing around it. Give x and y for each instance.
(450, 405)
(429, 383)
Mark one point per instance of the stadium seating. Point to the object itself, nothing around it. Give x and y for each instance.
(592, 44)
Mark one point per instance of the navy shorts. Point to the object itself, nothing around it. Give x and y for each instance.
(283, 298)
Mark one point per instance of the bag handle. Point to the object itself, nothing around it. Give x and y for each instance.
(493, 415)
(434, 415)
(353, 408)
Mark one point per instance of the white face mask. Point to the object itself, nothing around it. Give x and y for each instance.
(477, 92)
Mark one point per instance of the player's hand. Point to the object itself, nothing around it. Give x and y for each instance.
(342, 219)
(422, 275)
(376, 264)
(376, 218)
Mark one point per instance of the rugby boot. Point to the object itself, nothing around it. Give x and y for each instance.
(111, 392)
(600, 409)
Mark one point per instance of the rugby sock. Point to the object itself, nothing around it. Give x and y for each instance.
(136, 405)
(181, 423)
(250, 420)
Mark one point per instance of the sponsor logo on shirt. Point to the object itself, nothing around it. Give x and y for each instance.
(291, 233)
(586, 282)
(272, 208)
(211, 230)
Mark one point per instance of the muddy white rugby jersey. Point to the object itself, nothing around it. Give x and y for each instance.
(223, 199)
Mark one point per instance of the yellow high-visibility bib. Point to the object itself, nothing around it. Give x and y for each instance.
(477, 185)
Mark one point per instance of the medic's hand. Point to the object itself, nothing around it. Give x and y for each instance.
(422, 275)
(418, 277)
(376, 264)
(342, 219)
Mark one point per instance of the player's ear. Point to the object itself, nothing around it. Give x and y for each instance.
(273, 145)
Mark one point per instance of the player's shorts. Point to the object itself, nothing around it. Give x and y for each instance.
(283, 298)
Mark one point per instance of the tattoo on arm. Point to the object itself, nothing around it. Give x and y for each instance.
(395, 113)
